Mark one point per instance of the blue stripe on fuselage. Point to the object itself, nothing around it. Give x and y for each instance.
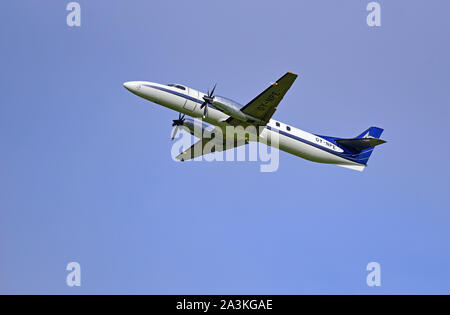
(175, 93)
(342, 155)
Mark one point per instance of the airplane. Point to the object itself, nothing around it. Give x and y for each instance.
(222, 112)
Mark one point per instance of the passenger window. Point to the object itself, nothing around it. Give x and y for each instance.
(288, 128)
(277, 124)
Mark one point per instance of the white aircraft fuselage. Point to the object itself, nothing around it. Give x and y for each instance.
(292, 140)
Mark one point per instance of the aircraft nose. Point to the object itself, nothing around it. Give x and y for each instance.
(128, 86)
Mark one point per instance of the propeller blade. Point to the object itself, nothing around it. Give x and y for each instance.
(212, 92)
(205, 111)
(175, 132)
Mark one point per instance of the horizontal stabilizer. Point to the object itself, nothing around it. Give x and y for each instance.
(359, 168)
(360, 144)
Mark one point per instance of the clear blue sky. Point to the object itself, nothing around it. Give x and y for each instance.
(86, 173)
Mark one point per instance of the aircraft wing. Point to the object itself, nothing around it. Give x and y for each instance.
(205, 146)
(265, 104)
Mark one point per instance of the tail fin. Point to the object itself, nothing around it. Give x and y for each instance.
(372, 132)
(362, 146)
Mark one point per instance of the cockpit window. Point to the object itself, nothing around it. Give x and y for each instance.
(177, 86)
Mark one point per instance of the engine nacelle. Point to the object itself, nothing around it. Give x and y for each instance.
(233, 109)
(197, 128)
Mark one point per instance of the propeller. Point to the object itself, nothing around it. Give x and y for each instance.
(208, 99)
(177, 122)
